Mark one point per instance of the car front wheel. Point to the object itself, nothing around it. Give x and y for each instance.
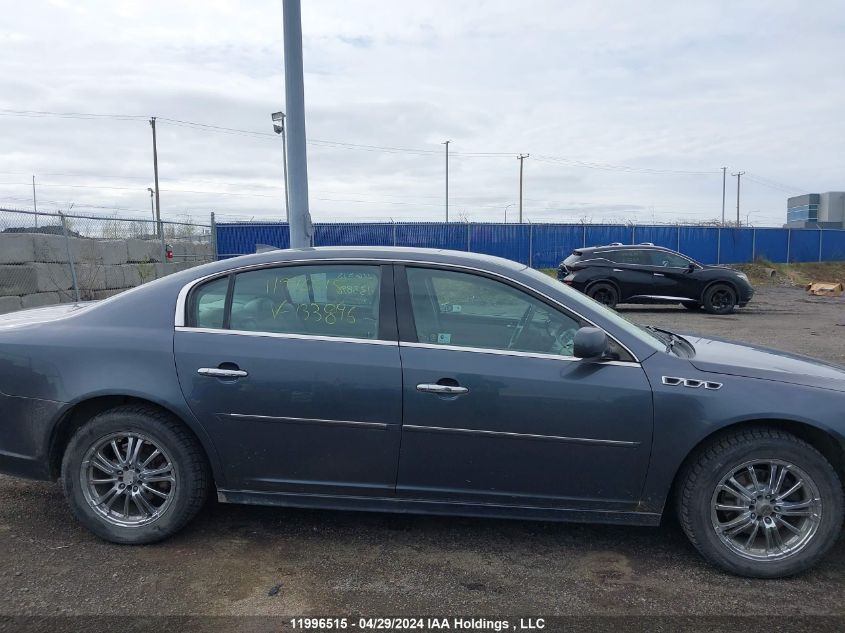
(720, 299)
(134, 475)
(760, 502)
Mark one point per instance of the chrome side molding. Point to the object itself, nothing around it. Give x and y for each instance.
(674, 381)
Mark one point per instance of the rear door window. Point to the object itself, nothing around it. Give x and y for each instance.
(630, 256)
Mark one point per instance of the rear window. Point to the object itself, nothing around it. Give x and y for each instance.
(629, 256)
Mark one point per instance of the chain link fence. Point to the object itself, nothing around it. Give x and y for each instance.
(48, 258)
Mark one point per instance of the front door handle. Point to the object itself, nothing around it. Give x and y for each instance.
(446, 390)
(216, 372)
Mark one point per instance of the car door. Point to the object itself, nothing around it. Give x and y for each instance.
(631, 271)
(497, 410)
(671, 275)
(294, 371)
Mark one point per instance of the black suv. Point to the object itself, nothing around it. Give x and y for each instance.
(645, 273)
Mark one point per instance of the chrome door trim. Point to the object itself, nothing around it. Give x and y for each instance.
(521, 436)
(181, 300)
(446, 390)
(506, 352)
(216, 372)
(321, 421)
(304, 337)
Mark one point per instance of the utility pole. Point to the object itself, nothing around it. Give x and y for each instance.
(521, 158)
(152, 208)
(446, 143)
(279, 128)
(738, 175)
(155, 171)
(724, 184)
(34, 205)
(299, 220)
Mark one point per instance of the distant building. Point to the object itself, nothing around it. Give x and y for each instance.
(816, 211)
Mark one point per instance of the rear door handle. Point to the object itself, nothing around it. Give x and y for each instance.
(659, 275)
(447, 390)
(216, 372)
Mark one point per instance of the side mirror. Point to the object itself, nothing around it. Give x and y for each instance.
(590, 343)
(690, 267)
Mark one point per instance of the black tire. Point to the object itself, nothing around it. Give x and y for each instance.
(691, 305)
(697, 491)
(720, 299)
(191, 478)
(604, 293)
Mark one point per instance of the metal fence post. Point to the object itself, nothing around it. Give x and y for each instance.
(469, 238)
(753, 245)
(584, 236)
(678, 228)
(821, 237)
(70, 257)
(213, 237)
(719, 246)
(530, 245)
(163, 248)
(788, 243)
(633, 234)
(394, 231)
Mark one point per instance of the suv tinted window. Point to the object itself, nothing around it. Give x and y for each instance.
(331, 300)
(629, 256)
(452, 308)
(670, 260)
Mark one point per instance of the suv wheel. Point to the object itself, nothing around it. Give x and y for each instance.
(604, 293)
(720, 299)
(760, 502)
(134, 475)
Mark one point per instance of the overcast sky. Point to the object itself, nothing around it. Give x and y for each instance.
(628, 109)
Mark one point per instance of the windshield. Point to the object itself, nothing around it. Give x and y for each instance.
(650, 338)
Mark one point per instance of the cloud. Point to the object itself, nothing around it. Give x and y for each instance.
(661, 87)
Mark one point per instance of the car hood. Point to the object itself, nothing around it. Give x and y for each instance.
(41, 315)
(728, 357)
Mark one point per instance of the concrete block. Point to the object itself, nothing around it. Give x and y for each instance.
(86, 251)
(143, 250)
(162, 270)
(18, 280)
(52, 277)
(115, 277)
(16, 248)
(9, 304)
(91, 276)
(53, 249)
(113, 252)
(40, 299)
(132, 274)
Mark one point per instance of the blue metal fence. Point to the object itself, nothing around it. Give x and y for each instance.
(545, 245)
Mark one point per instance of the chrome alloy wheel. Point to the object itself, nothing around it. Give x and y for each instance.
(128, 479)
(766, 510)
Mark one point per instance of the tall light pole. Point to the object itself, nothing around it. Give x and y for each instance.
(155, 171)
(279, 128)
(152, 208)
(506, 210)
(299, 220)
(521, 158)
(738, 175)
(446, 143)
(724, 184)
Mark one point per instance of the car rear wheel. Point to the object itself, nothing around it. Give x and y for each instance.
(720, 299)
(134, 475)
(761, 503)
(604, 293)
(691, 305)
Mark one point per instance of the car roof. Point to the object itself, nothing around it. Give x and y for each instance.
(621, 247)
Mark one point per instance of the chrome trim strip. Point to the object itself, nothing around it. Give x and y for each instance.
(505, 352)
(520, 436)
(179, 318)
(693, 383)
(663, 298)
(274, 418)
(303, 337)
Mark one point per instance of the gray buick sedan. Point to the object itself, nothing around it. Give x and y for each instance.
(414, 380)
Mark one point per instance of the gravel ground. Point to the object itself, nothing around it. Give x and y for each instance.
(247, 560)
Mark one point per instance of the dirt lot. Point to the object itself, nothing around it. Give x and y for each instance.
(248, 560)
